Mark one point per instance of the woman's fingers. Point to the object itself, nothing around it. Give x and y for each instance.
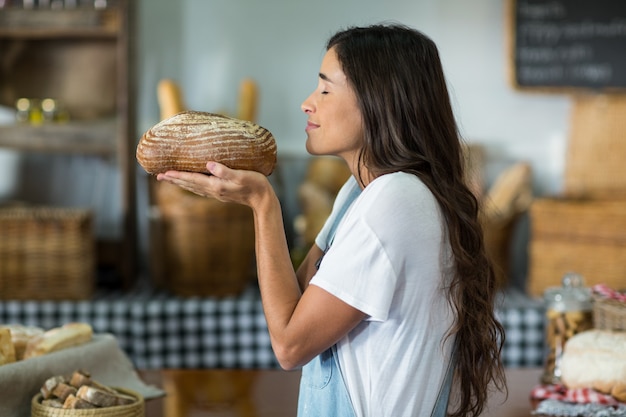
(223, 183)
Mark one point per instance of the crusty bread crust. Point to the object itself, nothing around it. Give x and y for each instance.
(190, 139)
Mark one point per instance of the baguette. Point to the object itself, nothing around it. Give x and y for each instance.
(190, 139)
(68, 335)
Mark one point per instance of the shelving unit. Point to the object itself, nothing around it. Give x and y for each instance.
(81, 57)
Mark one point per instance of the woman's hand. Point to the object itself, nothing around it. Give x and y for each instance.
(224, 184)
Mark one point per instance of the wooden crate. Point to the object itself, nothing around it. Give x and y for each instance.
(46, 253)
(583, 236)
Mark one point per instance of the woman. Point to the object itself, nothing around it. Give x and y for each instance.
(397, 294)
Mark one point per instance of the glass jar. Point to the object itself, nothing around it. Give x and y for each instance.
(568, 312)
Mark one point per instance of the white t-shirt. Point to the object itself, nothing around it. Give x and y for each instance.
(389, 259)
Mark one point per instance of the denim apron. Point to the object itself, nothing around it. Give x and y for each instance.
(323, 392)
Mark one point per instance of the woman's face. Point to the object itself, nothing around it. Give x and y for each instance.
(334, 125)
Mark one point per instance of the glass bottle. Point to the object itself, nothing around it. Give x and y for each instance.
(568, 312)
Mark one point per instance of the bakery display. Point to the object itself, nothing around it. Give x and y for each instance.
(596, 359)
(190, 139)
(19, 342)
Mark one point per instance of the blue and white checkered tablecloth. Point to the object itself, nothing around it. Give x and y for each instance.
(158, 330)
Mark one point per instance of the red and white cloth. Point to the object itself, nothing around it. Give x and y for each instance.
(607, 292)
(578, 396)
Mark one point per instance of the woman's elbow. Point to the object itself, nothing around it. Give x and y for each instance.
(289, 357)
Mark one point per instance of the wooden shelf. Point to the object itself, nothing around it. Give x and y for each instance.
(83, 59)
(97, 137)
(43, 24)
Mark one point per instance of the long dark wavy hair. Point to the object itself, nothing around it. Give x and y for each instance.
(409, 126)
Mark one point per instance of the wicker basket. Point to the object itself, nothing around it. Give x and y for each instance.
(136, 409)
(594, 166)
(201, 246)
(46, 253)
(609, 314)
(583, 236)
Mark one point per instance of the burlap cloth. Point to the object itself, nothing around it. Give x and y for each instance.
(102, 357)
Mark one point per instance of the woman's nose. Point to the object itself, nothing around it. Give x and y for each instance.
(307, 106)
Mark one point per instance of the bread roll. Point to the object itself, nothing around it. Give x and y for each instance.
(190, 139)
(7, 350)
(63, 390)
(596, 359)
(103, 398)
(74, 403)
(80, 378)
(49, 385)
(68, 335)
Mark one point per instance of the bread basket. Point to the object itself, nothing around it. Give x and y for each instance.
(609, 314)
(609, 309)
(135, 409)
(46, 253)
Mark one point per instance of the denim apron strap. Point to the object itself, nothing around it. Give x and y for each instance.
(323, 392)
(441, 405)
(354, 193)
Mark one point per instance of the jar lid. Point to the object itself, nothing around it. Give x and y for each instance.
(572, 295)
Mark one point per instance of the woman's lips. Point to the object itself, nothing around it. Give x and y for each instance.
(310, 126)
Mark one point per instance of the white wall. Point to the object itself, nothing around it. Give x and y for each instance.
(210, 45)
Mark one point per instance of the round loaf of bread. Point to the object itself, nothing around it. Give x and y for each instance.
(596, 359)
(188, 140)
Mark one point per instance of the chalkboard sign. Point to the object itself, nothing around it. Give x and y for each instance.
(568, 44)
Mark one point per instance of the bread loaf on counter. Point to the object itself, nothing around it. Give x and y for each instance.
(596, 359)
(21, 335)
(190, 139)
(68, 335)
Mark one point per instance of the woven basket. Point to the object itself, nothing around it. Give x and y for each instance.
(46, 253)
(135, 409)
(609, 314)
(583, 236)
(201, 246)
(594, 165)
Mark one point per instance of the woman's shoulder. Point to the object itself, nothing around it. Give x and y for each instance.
(397, 184)
(399, 194)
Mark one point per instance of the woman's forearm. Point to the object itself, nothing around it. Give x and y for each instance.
(280, 291)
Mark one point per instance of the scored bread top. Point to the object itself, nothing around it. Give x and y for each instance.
(188, 140)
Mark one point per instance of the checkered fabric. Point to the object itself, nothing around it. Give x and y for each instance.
(523, 319)
(159, 330)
